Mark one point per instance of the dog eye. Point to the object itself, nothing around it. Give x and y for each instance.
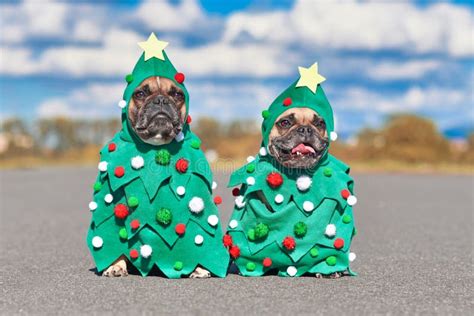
(178, 95)
(320, 124)
(285, 123)
(139, 94)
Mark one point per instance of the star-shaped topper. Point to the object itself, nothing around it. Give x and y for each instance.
(153, 47)
(309, 77)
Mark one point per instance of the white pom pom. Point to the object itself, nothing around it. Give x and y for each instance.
(181, 190)
(303, 183)
(137, 162)
(330, 230)
(92, 206)
(213, 220)
(233, 224)
(97, 242)
(108, 198)
(333, 136)
(145, 251)
(102, 166)
(279, 198)
(250, 180)
(291, 270)
(352, 256)
(250, 159)
(198, 240)
(308, 206)
(179, 137)
(196, 205)
(214, 185)
(263, 151)
(239, 201)
(351, 200)
(122, 104)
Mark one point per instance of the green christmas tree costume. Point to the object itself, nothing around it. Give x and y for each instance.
(154, 204)
(310, 225)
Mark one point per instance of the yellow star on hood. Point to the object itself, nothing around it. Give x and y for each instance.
(153, 47)
(309, 77)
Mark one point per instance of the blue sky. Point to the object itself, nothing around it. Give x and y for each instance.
(379, 58)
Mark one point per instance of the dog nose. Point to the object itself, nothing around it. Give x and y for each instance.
(160, 100)
(305, 130)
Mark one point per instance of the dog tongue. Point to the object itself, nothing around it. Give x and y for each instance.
(302, 148)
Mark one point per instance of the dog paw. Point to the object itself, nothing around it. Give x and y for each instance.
(116, 270)
(335, 275)
(200, 273)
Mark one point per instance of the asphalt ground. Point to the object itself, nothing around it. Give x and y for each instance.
(414, 256)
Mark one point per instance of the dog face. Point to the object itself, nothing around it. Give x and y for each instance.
(156, 110)
(298, 138)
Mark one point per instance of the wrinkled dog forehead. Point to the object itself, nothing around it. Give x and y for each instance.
(301, 115)
(156, 84)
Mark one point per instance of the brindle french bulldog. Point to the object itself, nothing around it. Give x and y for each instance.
(156, 113)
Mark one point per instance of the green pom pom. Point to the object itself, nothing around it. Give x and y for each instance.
(163, 157)
(346, 219)
(178, 266)
(314, 252)
(123, 233)
(132, 201)
(97, 186)
(250, 266)
(129, 78)
(261, 231)
(327, 172)
(265, 114)
(251, 234)
(164, 216)
(250, 167)
(300, 229)
(331, 261)
(195, 143)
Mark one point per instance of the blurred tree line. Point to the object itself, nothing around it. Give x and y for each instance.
(404, 138)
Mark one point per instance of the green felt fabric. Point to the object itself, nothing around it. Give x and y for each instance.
(153, 187)
(284, 219)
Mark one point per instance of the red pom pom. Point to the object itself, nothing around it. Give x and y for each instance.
(121, 211)
(134, 254)
(112, 147)
(289, 243)
(235, 191)
(180, 229)
(345, 193)
(189, 119)
(135, 224)
(179, 77)
(217, 200)
(234, 252)
(182, 165)
(274, 179)
(119, 171)
(267, 262)
(338, 243)
(227, 240)
(287, 102)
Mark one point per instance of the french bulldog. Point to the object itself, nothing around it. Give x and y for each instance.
(156, 113)
(298, 140)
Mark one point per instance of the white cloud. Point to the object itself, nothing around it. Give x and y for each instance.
(163, 16)
(412, 69)
(414, 99)
(92, 101)
(369, 26)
